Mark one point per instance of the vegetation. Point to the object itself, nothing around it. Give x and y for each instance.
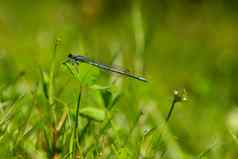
(52, 109)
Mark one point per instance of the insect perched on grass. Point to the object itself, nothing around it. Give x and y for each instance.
(79, 58)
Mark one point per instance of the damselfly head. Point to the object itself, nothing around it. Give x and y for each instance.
(69, 59)
(70, 56)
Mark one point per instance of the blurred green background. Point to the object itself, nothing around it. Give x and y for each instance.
(176, 44)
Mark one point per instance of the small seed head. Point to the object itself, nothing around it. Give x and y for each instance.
(180, 96)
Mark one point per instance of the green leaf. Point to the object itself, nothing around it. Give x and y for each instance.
(93, 113)
(110, 95)
(45, 83)
(71, 147)
(203, 155)
(85, 73)
(100, 87)
(115, 99)
(106, 96)
(124, 153)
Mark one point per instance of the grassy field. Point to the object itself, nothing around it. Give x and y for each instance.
(187, 50)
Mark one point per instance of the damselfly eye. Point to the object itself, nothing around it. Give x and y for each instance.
(70, 56)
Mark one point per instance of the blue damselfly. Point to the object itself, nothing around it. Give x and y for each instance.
(79, 58)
